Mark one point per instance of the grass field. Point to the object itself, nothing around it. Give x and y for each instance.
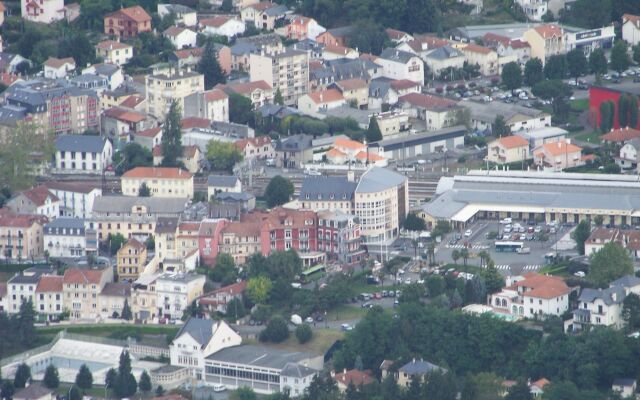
(580, 105)
(322, 340)
(590, 137)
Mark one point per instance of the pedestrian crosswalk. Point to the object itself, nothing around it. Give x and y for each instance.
(503, 267)
(462, 246)
(527, 268)
(531, 267)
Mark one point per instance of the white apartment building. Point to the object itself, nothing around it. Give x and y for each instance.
(287, 71)
(38, 200)
(164, 88)
(175, 292)
(82, 154)
(21, 288)
(49, 296)
(82, 288)
(535, 296)
(183, 15)
(603, 307)
(76, 199)
(65, 237)
(631, 29)
(211, 104)
(114, 52)
(43, 11)
(533, 9)
(162, 182)
(398, 64)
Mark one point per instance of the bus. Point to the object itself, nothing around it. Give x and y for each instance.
(509, 247)
(313, 273)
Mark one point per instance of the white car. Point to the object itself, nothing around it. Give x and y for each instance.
(507, 229)
(468, 233)
(506, 221)
(219, 388)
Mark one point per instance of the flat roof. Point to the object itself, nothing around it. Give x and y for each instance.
(542, 133)
(421, 138)
(260, 356)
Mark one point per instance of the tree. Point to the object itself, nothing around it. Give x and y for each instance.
(609, 263)
(636, 53)
(240, 109)
(77, 45)
(414, 223)
(224, 271)
(276, 330)
(606, 116)
(111, 378)
(126, 311)
(373, 133)
(74, 393)
(581, 234)
(464, 254)
(7, 390)
(598, 63)
(116, 242)
(623, 110)
(519, 391)
(51, 378)
(159, 391)
(556, 67)
(512, 75)
(223, 155)
(620, 60)
(633, 111)
(145, 382)
(533, 72)
(303, 333)
(172, 137)
(210, 67)
(243, 393)
(22, 376)
(226, 6)
(25, 328)
(278, 191)
(493, 280)
(84, 378)
(499, 127)
(258, 289)
(561, 391)
(577, 63)
(131, 156)
(368, 37)
(631, 311)
(144, 190)
(455, 256)
(18, 146)
(125, 382)
(598, 220)
(277, 98)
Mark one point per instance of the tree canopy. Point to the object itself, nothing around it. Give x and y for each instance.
(581, 234)
(609, 263)
(172, 137)
(533, 72)
(620, 59)
(278, 191)
(210, 67)
(131, 156)
(512, 75)
(18, 146)
(223, 155)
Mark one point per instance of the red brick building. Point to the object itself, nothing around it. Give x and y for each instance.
(127, 22)
(599, 94)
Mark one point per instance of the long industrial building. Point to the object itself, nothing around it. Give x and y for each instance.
(534, 195)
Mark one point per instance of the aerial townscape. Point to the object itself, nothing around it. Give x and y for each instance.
(320, 199)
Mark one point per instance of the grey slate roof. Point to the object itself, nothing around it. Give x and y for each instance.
(222, 180)
(10, 114)
(260, 356)
(298, 142)
(377, 179)
(606, 295)
(624, 382)
(178, 8)
(277, 10)
(166, 224)
(327, 188)
(116, 289)
(124, 204)
(88, 143)
(242, 48)
(275, 110)
(420, 367)
(341, 31)
(295, 370)
(65, 223)
(25, 279)
(199, 329)
(444, 52)
(396, 55)
(626, 281)
(232, 196)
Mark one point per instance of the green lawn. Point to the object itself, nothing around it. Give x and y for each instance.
(579, 105)
(346, 312)
(590, 137)
(560, 270)
(321, 341)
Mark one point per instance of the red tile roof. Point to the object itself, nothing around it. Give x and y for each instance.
(39, 194)
(395, 34)
(491, 37)
(153, 132)
(59, 62)
(246, 88)
(474, 48)
(134, 243)
(428, 101)
(215, 95)
(621, 135)
(634, 19)
(548, 30)
(174, 30)
(132, 101)
(125, 115)
(355, 377)
(49, 283)
(263, 5)
(195, 122)
(352, 84)
(403, 84)
(348, 143)
(187, 151)
(542, 286)
(326, 96)
(158, 173)
(112, 45)
(511, 142)
(186, 53)
(562, 147)
(255, 141)
(337, 49)
(83, 276)
(135, 13)
(243, 229)
(215, 22)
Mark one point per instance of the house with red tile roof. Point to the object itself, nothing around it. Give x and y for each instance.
(631, 28)
(314, 102)
(545, 41)
(149, 138)
(191, 157)
(82, 288)
(114, 52)
(210, 104)
(264, 15)
(161, 181)
(39, 201)
(508, 149)
(485, 57)
(621, 136)
(437, 112)
(355, 91)
(121, 123)
(43, 11)
(259, 147)
(335, 52)
(49, 299)
(217, 300)
(559, 155)
(127, 22)
(353, 377)
(301, 28)
(533, 296)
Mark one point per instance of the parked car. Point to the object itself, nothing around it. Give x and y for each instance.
(468, 232)
(219, 388)
(346, 327)
(506, 221)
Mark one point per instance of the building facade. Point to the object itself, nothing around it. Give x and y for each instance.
(65, 237)
(287, 71)
(162, 182)
(164, 88)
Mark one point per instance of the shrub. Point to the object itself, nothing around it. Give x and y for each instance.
(304, 333)
(276, 331)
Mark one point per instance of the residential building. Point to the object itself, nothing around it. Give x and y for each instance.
(443, 59)
(242, 239)
(81, 288)
(508, 149)
(355, 91)
(222, 183)
(516, 117)
(45, 11)
(353, 377)
(301, 28)
(259, 92)
(4, 301)
(112, 73)
(287, 71)
(485, 57)
(288, 229)
(65, 237)
(38, 200)
(421, 45)
(76, 198)
(131, 259)
(180, 37)
(601, 236)
(183, 15)
(398, 64)
(345, 150)
(537, 388)
(631, 29)
(191, 157)
(222, 25)
(540, 136)
(144, 298)
(315, 102)
(149, 138)
(534, 10)
(83, 154)
(327, 193)
(629, 155)
(112, 299)
(114, 52)
(294, 151)
(175, 292)
(381, 204)
(122, 96)
(558, 156)
(211, 104)
(404, 146)
(625, 387)
(242, 201)
(132, 216)
(260, 147)
(507, 47)
(49, 294)
(263, 15)
(58, 68)
(335, 37)
(334, 52)
(437, 112)
(118, 124)
(416, 368)
(339, 237)
(162, 182)
(392, 123)
(219, 299)
(165, 88)
(21, 288)
(535, 296)
(545, 41)
(21, 235)
(397, 36)
(127, 22)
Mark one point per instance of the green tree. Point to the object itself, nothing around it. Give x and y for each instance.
(512, 75)
(464, 254)
(304, 333)
(577, 63)
(74, 393)
(18, 146)
(623, 110)
(581, 234)
(22, 376)
(561, 391)
(414, 223)
(609, 263)
(556, 67)
(144, 190)
(126, 311)
(159, 391)
(620, 60)
(172, 137)
(368, 37)
(606, 117)
(493, 280)
(226, 6)
(223, 155)
(84, 378)
(76, 44)
(116, 242)
(533, 72)
(51, 378)
(598, 63)
(24, 324)
(636, 53)
(499, 127)
(111, 378)
(243, 393)
(240, 109)
(145, 382)
(276, 330)
(277, 98)
(421, 16)
(258, 289)
(210, 67)
(633, 111)
(224, 271)
(598, 220)
(373, 133)
(131, 156)
(126, 385)
(7, 390)
(631, 311)
(278, 191)
(519, 391)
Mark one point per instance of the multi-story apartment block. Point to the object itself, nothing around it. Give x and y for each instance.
(82, 154)
(327, 193)
(339, 236)
(162, 182)
(112, 298)
(82, 287)
(56, 105)
(114, 52)
(175, 292)
(288, 229)
(38, 200)
(127, 22)
(76, 198)
(131, 259)
(43, 11)
(21, 288)
(144, 298)
(21, 235)
(212, 104)
(49, 299)
(242, 239)
(260, 147)
(65, 237)
(287, 71)
(165, 88)
(398, 64)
